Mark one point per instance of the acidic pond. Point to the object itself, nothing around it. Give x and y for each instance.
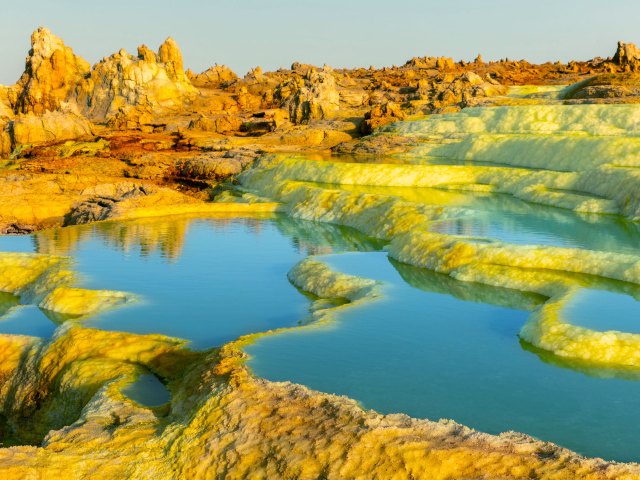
(430, 347)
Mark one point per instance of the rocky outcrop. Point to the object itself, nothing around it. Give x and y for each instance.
(212, 166)
(627, 56)
(247, 100)
(114, 200)
(606, 88)
(436, 63)
(375, 146)
(265, 121)
(6, 112)
(313, 96)
(52, 72)
(170, 55)
(381, 115)
(37, 109)
(5, 139)
(156, 81)
(132, 118)
(461, 91)
(102, 206)
(218, 76)
(122, 87)
(51, 127)
(302, 68)
(218, 123)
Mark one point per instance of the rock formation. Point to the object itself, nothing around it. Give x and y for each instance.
(622, 87)
(265, 121)
(132, 118)
(218, 123)
(627, 56)
(6, 112)
(211, 166)
(149, 80)
(218, 76)
(313, 96)
(437, 63)
(49, 127)
(101, 207)
(247, 100)
(170, 55)
(52, 72)
(5, 140)
(461, 90)
(381, 115)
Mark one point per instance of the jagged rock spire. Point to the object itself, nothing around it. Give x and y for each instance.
(51, 72)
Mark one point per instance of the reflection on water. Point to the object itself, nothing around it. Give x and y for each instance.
(166, 236)
(582, 366)
(468, 291)
(143, 237)
(439, 350)
(194, 275)
(313, 238)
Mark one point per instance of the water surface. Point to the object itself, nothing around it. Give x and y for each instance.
(147, 390)
(603, 310)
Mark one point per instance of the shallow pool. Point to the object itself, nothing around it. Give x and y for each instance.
(602, 310)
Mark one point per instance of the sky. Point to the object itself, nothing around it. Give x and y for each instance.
(342, 33)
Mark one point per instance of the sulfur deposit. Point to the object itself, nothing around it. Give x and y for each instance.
(48, 282)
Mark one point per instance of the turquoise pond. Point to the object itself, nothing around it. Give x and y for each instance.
(147, 390)
(431, 347)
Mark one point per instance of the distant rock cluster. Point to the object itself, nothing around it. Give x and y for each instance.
(627, 56)
(59, 94)
(146, 102)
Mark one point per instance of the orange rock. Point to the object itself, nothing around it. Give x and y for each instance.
(381, 115)
(52, 72)
(218, 76)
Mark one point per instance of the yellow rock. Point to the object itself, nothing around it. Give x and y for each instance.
(46, 281)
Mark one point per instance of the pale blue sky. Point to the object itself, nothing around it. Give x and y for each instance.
(274, 33)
